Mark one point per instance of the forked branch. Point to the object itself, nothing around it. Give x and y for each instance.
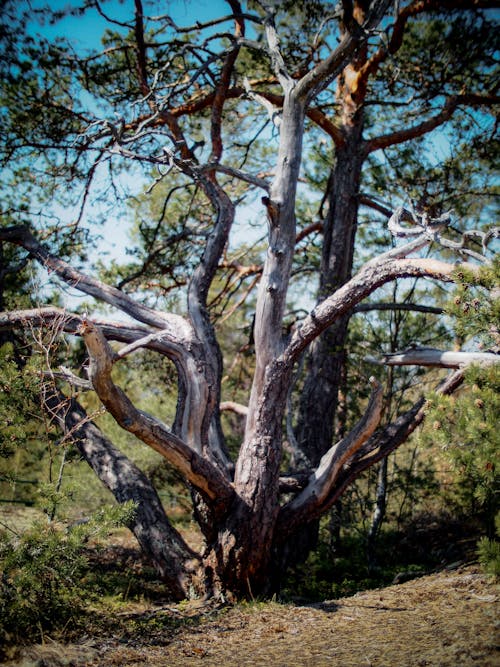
(389, 266)
(372, 275)
(376, 447)
(385, 441)
(198, 471)
(323, 479)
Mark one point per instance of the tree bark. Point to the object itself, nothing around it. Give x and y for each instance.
(327, 356)
(378, 513)
(242, 555)
(429, 356)
(162, 545)
(319, 398)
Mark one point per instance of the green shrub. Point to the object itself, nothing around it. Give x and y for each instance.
(464, 427)
(40, 584)
(488, 551)
(489, 555)
(43, 585)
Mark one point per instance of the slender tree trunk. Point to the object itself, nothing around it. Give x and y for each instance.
(378, 513)
(326, 360)
(325, 370)
(325, 374)
(319, 399)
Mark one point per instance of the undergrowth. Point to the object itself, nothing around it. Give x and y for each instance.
(61, 583)
(488, 551)
(427, 544)
(46, 583)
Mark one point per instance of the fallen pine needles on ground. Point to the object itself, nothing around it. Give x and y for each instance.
(445, 619)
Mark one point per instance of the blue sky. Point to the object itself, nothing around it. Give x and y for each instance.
(86, 30)
(84, 33)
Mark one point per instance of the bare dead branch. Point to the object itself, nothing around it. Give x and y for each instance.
(432, 228)
(378, 271)
(141, 342)
(428, 356)
(186, 353)
(421, 224)
(40, 317)
(118, 331)
(389, 438)
(274, 112)
(413, 307)
(67, 374)
(377, 447)
(277, 61)
(241, 175)
(460, 247)
(232, 406)
(22, 236)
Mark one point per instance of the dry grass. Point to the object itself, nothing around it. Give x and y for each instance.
(443, 620)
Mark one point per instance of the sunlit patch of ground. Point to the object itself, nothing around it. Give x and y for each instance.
(445, 619)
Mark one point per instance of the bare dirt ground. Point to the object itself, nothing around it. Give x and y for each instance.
(448, 619)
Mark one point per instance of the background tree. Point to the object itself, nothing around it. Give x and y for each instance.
(210, 114)
(409, 101)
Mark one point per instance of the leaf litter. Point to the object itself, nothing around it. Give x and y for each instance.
(445, 619)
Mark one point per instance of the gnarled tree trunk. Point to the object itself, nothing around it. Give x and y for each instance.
(248, 513)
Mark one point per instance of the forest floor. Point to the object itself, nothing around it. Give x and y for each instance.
(449, 618)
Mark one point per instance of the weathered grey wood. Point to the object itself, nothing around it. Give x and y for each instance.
(324, 477)
(22, 236)
(427, 356)
(194, 467)
(241, 517)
